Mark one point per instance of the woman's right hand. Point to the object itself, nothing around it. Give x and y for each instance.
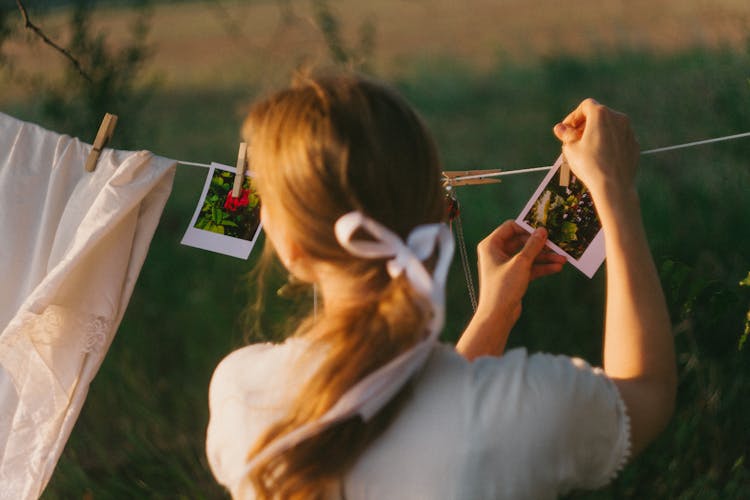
(600, 147)
(638, 346)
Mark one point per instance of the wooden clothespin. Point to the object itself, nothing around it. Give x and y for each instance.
(239, 176)
(454, 177)
(106, 130)
(564, 172)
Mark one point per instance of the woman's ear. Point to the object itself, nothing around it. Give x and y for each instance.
(291, 254)
(298, 262)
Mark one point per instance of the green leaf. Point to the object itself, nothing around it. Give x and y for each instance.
(746, 333)
(569, 231)
(214, 228)
(228, 223)
(252, 200)
(743, 337)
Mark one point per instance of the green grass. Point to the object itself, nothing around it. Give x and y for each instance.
(141, 432)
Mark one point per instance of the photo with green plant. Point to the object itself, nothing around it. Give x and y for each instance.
(225, 214)
(568, 214)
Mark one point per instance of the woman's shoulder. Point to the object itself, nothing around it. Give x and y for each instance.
(249, 356)
(500, 427)
(255, 366)
(552, 409)
(514, 366)
(263, 351)
(538, 383)
(250, 388)
(533, 368)
(522, 393)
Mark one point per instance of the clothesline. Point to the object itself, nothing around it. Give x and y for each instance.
(646, 152)
(547, 167)
(193, 164)
(696, 143)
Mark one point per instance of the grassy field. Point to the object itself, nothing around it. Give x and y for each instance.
(141, 432)
(222, 44)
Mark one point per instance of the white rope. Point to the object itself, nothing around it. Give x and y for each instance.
(500, 174)
(646, 152)
(696, 143)
(542, 169)
(193, 164)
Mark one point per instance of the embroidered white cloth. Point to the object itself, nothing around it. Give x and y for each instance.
(73, 244)
(516, 427)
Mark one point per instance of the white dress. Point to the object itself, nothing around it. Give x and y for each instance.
(519, 426)
(73, 243)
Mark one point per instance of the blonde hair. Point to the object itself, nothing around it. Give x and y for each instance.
(322, 148)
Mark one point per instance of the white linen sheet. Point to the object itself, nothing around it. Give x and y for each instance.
(72, 246)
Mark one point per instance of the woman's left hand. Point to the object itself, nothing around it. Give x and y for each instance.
(509, 258)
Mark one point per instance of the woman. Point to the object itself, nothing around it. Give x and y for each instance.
(362, 401)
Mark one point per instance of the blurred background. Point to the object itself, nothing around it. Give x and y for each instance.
(490, 77)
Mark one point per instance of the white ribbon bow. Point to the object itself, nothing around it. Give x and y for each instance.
(405, 258)
(374, 391)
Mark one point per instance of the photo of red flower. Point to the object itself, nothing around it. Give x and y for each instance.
(224, 214)
(233, 204)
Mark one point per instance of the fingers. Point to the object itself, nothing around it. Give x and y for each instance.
(546, 263)
(507, 230)
(509, 238)
(511, 241)
(567, 133)
(578, 116)
(548, 256)
(538, 271)
(506, 239)
(573, 126)
(542, 260)
(600, 147)
(534, 245)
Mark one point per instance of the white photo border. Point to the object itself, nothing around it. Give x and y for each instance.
(595, 253)
(215, 242)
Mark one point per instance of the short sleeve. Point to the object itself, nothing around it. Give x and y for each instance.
(560, 422)
(226, 435)
(593, 423)
(238, 413)
(250, 389)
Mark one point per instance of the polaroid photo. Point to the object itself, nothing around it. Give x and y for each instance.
(568, 214)
(222, 223)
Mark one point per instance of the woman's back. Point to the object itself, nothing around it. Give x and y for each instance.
(368, 404)
(518, 426)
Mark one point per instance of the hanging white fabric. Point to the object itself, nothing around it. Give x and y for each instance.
(73, 244)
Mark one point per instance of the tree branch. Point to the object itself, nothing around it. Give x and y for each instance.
(29, 25)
